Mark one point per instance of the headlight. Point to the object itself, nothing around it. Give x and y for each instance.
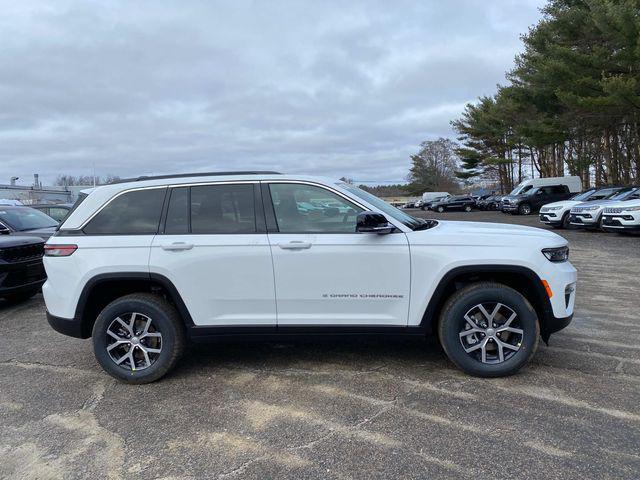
(632, 209)
(556, 255)
(588, 209)
(549, 209)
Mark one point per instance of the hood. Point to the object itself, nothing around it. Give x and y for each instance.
(563, 203)
(43, 233)
(18, 241)
(491, 234)
(514, 198)
(596, 202)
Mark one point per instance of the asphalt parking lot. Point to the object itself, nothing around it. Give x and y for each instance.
(359, 409)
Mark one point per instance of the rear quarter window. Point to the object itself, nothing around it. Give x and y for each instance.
(132, 213)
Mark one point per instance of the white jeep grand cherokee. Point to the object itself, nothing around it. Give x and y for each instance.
(145, 265)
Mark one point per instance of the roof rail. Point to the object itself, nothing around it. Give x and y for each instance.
(195, 174)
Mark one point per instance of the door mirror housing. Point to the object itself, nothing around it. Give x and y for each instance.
(373, 222)
(4, 230)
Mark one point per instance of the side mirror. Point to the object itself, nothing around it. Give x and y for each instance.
(373, 222)
(4, 230)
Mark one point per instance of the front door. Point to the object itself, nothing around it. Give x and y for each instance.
(217, 254)
(326, 273)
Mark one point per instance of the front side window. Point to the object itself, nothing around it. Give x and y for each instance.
(132, 213)
(218, 209)
(301, 208)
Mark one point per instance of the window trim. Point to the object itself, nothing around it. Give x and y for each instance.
(260, 222)
(272, 224)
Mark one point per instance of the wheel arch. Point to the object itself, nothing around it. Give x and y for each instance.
(522, 279)
(102, 289)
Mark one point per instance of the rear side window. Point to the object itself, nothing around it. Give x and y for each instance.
(132, 213)
(219, 209)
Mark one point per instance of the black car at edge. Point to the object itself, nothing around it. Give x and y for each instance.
(21, 270)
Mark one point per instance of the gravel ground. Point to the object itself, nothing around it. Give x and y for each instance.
(357, 409)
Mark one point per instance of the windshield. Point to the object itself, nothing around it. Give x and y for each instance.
(22, 219)
(620, 195)
(520, 189)
(393, 212)
(583, 195)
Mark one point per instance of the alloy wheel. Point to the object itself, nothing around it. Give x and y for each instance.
(133, 341)
(491, 333)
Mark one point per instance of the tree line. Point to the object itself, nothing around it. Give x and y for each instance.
(572, 104)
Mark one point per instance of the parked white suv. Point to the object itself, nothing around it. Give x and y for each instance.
(589, 214)
(622, 216)
(557, 214)
(145, 265)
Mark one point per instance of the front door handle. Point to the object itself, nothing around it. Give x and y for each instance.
(177, 246)
(295, 245)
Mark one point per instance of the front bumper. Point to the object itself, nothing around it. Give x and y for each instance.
(584, 219)
(22, 277)
(621, 222)
(550, 218)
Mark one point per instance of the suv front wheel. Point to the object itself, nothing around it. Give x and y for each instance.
(138, 338)
(489, 330)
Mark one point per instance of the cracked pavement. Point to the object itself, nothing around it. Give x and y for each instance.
(351, 409)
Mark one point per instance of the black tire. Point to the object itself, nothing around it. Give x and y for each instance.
(452, 323)
(20, 297)
(524, 209)
(166, 320)
(440, 209)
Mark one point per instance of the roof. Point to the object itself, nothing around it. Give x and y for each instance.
(195, 174)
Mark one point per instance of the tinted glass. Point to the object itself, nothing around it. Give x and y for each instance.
(25, 218)
(219, 209)
(178, 211)
(308, 209)
(57, 213)
(133, 213)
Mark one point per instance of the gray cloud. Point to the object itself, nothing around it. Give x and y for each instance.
(331, 88)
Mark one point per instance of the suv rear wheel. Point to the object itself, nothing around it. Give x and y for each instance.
(489, 330)
(138, 338)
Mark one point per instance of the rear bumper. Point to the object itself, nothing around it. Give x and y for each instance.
(66, 326)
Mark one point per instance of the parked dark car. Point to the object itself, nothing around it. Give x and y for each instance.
(534, 198)
(428, 205)
(21, 270)
(26, 221)
(458, 202)
(489, 203)
(57, 211)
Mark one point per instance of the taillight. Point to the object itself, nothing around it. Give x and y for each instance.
(59, 250)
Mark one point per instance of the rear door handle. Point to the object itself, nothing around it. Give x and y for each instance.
(295, 245)
(177, 246)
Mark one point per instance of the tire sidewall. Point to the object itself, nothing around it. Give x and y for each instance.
(452, 323)
(522, 210)
(161, 321)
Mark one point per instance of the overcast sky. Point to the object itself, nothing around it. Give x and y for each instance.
(341, 88)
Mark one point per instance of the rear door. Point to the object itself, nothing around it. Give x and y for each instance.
(214, 248)
(325, 272)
